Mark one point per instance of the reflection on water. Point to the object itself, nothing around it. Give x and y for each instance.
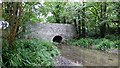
(89, 57)
(98, 58)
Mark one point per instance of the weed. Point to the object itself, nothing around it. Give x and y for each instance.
(29, 53)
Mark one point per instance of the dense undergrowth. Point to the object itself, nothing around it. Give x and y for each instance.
(109, 42)
(32, 52)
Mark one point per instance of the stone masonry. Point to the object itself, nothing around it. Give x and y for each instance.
(47, 31)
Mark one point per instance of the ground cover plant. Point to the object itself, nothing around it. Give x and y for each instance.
(31, 52)
(99, 44)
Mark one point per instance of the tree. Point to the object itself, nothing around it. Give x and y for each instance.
(56, 9)
(0, 11)
(13, 12)
(17, 14)
(118, 17)
(83, 20)
(103, 18)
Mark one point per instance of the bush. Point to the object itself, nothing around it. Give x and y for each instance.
(104, 44)
(117, 44)
(86, 43)
(112, 37)
(99, 44)
(29, 53)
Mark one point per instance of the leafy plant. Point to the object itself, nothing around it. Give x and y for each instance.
(29, 53)
(104, 44)
(83, 42)
(117, 44)
(99, 44)
(112, 37)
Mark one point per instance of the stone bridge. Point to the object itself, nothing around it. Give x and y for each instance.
(51, 32)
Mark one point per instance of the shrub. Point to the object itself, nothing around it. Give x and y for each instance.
(86, 43)
(116, 44)
(99, 44)
(104, 44)
(112, 37)
(30, 53)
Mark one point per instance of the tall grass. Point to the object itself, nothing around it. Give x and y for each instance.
(29, 53)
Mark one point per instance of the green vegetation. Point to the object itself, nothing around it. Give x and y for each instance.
(83, 42)
(97, 25)
(32, 52)
(99, 44)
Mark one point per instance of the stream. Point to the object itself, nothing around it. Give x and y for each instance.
(77, 56)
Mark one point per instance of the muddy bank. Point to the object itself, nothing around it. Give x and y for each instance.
(88, 57)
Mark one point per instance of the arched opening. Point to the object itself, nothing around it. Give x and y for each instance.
(57, 39)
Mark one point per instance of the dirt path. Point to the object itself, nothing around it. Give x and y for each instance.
(88, 57)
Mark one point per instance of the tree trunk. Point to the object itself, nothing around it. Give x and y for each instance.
(118, 17)
(79, 24)
(14, 11)
(103, 18)
(64, 19)
(12, 26)
(83, 21)
(75, 23)
(95, 27)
